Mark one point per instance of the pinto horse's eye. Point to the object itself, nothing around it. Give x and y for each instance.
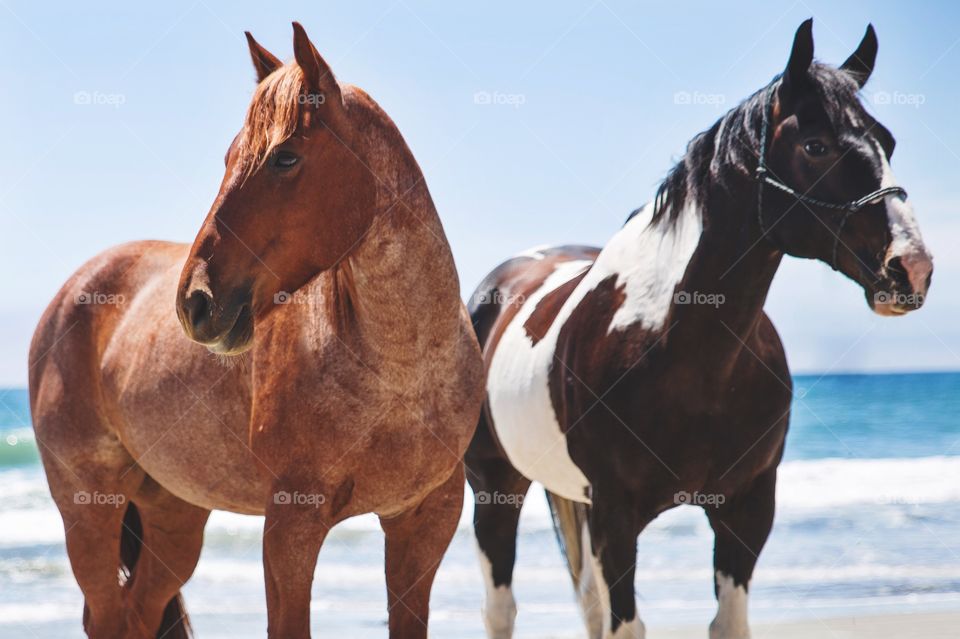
(815, 148)
(283, 160)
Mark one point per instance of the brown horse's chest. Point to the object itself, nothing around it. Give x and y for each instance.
(184, 418)
(389, 436)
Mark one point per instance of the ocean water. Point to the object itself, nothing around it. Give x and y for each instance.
(868, 521)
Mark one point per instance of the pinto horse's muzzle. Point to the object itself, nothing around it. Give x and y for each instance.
(903, 288)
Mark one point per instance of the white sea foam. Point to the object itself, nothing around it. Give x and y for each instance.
(828, 483)
(852, 536)
(28, 516)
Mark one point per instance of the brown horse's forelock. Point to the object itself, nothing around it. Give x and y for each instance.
(272, 118)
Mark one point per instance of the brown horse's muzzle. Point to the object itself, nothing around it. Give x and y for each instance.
(223, 323)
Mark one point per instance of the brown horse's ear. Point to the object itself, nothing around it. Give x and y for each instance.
(860, 63)
(263, 61)
(796, 76)
(317, 76)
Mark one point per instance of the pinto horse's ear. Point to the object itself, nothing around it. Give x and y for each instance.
(317, 76)
(801, 56)
(263, 61)
(860, 63)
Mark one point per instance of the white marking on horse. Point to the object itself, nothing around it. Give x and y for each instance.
(648, 261)
(731, 619)
(519, 396)
(594, 594)
(906, 241)
(632, 629)
(535, 252)
(500, 608)
(589, 589)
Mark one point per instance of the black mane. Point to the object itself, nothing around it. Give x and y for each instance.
(729, 149)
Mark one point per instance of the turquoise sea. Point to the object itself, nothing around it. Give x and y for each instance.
(868, 521)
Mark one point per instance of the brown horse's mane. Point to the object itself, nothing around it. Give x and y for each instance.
(273, 116)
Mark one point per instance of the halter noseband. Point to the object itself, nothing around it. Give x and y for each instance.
(848, 208)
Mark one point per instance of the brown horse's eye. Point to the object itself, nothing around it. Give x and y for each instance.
(283, 160)
(815, 148)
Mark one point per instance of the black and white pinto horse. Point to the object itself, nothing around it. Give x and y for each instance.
(630, 379)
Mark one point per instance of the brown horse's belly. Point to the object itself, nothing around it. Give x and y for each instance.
(180, 411)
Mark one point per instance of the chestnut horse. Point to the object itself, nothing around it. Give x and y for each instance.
(645, 375)
(345, 377)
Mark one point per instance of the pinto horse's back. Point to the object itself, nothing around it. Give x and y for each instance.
(510, 282)
(516, 311)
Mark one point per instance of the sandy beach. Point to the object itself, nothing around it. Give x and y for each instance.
(941, 625)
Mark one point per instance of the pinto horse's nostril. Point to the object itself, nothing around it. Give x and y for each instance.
(897, 272)
(913, 270)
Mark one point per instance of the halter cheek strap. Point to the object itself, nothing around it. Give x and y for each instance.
(764, 178)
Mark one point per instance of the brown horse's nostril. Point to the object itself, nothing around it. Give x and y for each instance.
(197, 310)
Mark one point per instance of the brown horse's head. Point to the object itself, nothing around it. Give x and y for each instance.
(296, 197)
(824, 144)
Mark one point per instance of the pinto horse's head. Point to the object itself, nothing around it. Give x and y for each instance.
(296, 197)
(823, 144)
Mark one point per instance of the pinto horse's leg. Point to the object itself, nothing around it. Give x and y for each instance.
(416, 541)
(614, 527)
(498, 491)
(293, 533)
(170, 536)
(741, 526)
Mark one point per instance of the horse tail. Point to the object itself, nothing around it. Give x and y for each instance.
(175, 624)
(569, 521)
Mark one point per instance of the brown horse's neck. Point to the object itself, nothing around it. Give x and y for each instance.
(397, 293)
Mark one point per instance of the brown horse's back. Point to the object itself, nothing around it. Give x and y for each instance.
(112, 377)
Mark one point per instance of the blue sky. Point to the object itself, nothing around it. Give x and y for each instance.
(116, 116)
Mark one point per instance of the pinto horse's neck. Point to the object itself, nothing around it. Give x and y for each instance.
(727, 281)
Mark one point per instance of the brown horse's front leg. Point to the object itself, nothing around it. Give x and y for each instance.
(416, 541)
(295, 527)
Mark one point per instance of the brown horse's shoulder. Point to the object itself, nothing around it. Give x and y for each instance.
(97, 291)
